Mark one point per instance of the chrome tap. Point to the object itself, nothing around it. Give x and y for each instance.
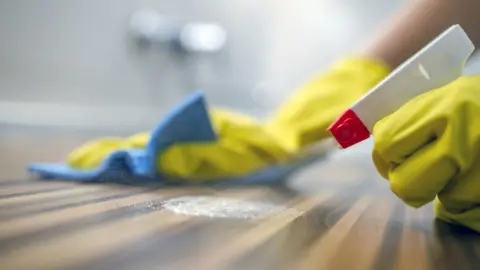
(148, 27)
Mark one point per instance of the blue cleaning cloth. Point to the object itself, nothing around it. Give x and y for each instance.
(188, 122)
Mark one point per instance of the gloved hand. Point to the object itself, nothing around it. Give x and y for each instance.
(243, 146)
(246, 145)
(305, 117)
(429, 149)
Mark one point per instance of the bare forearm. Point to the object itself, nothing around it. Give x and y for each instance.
(418, 23)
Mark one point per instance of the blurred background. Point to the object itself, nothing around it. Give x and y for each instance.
(119, 65)
(122, 64)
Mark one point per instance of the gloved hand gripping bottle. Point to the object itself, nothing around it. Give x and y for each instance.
(437, 64)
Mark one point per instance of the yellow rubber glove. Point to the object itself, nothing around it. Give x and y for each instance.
(429, 149)
(305, 117)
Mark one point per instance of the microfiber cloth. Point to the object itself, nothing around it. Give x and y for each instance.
(188, 122)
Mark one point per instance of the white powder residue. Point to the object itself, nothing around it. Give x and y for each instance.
(217, 207)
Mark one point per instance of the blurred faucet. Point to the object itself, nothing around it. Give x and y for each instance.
(148, 28)
(178, 57)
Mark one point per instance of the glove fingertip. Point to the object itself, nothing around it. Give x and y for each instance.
(381, 166)
(413, 198)
(415, 203)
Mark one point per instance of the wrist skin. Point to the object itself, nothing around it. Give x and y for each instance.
(419, 22)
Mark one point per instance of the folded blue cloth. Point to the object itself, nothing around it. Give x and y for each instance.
(188, 122)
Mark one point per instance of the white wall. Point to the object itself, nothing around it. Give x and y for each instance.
(69, 62)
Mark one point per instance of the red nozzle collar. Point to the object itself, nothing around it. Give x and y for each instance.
(348, 129)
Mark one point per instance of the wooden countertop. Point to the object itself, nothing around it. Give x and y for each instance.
(338, 214)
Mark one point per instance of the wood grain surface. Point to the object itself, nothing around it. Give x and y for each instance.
(338, 214)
